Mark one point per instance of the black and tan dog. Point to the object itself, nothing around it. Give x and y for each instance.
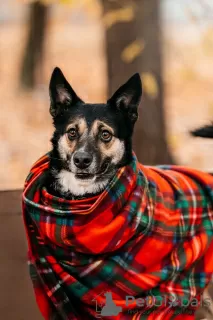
(91, 141)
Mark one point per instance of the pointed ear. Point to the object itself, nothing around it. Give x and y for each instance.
(204, 132)
(62, 96)
(127, 97)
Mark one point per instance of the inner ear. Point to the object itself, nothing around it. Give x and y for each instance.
(62, 95)
(124, 100)
(127, 97)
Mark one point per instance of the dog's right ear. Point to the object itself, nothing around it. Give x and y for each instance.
(128, 96)
(62, 95)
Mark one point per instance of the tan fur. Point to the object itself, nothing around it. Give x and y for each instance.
(97, 124)
(115, 148)
(65, 145)
(78, 122)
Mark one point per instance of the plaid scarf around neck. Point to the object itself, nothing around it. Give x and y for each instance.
(146, 241)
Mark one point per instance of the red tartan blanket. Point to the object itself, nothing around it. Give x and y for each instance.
(143, 249)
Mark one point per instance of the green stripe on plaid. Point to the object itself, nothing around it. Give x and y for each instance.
(148, 235)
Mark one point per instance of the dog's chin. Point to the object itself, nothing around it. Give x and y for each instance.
(80, 184)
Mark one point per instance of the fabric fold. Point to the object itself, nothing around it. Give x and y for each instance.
(147, 236)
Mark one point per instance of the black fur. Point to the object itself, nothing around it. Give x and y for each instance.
(204, 132)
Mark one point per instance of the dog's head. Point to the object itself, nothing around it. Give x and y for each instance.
(91, 141)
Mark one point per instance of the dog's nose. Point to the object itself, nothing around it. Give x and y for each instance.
(82, 159)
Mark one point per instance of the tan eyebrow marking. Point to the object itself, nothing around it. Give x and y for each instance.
(97, 124)
(115, 148)
(80, 123)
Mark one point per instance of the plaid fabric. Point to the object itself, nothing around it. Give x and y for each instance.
(148, 236)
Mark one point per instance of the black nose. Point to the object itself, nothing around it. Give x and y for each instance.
(82, 159)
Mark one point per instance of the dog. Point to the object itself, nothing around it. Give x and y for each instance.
(91, 141)
(77, 249)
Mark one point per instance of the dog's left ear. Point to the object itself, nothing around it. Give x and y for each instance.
(62, 95)
(127, 97)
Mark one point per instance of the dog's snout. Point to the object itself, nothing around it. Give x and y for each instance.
(82, 159)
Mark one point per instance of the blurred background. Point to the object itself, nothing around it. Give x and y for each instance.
(98, 44)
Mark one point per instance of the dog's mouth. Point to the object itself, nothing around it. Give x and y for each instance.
(84, 176)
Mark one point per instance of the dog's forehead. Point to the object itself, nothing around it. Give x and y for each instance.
(92, 117)
(77, 122)
(89, 127)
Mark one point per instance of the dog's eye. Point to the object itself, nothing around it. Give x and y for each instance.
(72, 134)
(106, 136)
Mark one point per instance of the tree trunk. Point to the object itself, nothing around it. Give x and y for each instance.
(149, 140)
(34, 50)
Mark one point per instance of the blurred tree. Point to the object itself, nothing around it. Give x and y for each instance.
(133, 44)
(34, 49)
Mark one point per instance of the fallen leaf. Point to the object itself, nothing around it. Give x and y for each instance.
(132, 51)
(150, 85)
(188, 73)
(120, 15)
(173, 141)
